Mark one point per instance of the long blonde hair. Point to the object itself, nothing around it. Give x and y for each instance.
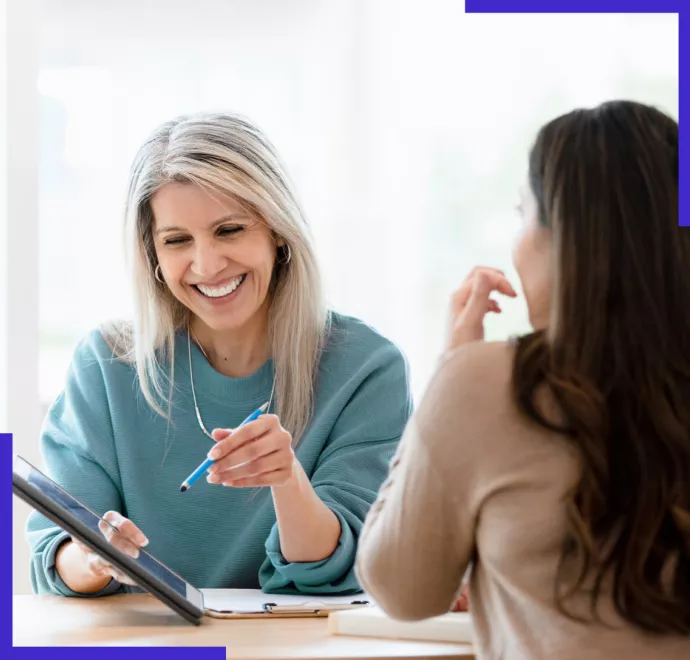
(223, 153)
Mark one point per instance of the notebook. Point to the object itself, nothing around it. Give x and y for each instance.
(251, 603)
(372, 622)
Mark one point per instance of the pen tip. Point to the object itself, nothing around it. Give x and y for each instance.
(183, 488)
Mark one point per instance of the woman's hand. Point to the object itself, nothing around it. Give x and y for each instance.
(472, 301)
(123, 534)
(260, 454)
(462, 602)
(257, 454)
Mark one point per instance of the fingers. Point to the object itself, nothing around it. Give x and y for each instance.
(119, 541)
(479, 299)
(257, 454)
(462, 602)
(499, 282)
(273, 462)
(101, 568)
(243, 435)
(122, 533)
(275, 478)
(497, 279)
(220, 434)
(249, 452)
(126, 528)
(96, 565)
(461, 605)
(121, 577)
(470, 304)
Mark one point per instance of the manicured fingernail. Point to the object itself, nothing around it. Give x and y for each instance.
(213, 454)
(132, 552)
(212, 478)
(143, 542)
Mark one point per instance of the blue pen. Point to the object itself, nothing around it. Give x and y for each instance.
(189, 481)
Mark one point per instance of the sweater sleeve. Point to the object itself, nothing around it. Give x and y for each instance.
(348, 475)
(78, 453)
(418, 540)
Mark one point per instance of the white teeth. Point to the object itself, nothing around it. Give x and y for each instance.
(219, 292)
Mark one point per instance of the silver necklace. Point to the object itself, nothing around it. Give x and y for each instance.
(191, 380)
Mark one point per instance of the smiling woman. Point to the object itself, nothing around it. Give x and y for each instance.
(218, 260)
(229, 316)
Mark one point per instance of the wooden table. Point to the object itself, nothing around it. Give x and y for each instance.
(140, 620)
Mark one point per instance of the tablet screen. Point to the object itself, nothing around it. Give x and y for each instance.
(65, 501)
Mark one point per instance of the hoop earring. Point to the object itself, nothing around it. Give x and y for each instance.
(158, 274)
(284, 261)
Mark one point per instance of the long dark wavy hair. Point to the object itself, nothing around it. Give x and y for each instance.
(616, 357)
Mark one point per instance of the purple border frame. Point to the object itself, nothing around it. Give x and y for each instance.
(209, 653)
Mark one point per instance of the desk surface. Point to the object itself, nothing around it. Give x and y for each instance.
(140, 620)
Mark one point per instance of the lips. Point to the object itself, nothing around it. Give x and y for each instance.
(222, 290)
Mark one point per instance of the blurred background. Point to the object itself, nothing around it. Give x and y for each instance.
(404, 125)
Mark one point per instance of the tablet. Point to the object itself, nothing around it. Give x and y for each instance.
(44, 495)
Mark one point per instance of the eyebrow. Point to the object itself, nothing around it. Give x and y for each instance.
(214, 224)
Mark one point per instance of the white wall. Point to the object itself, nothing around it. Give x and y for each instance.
(19, 154)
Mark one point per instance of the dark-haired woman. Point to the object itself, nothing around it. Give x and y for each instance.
(559, 464)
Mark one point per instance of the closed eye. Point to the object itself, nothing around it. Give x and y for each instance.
(222, 232)
(176, 240)
(229, 230)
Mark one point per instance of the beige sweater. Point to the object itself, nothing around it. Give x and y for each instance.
(473, 481)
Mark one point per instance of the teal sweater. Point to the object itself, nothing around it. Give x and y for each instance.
(103, 443)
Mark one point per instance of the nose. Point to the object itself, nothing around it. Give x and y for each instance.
(208, 261)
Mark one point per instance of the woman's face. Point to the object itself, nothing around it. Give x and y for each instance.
(532, 260)
(216, 258)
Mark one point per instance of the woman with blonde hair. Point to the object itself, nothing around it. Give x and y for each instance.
(229, 316)
(558, 465)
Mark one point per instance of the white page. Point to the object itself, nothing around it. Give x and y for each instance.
(247, 601)
(373, 622)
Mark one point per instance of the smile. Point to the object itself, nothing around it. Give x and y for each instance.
(221, 291)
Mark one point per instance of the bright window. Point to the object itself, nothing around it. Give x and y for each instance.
(404, 125)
